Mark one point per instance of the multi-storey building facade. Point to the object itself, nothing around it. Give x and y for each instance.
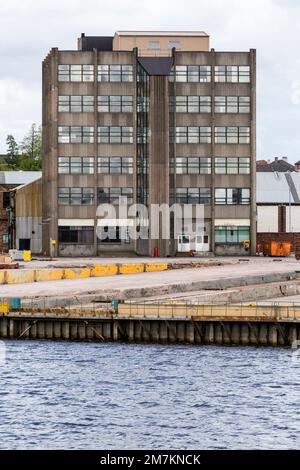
(156, 117)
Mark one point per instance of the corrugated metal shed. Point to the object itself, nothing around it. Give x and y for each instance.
(19, 177)
(277, 188)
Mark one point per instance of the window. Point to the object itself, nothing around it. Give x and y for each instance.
(5, 238)
(6, 199)
(232, 165)
(232, 135)
(175, 44)
(115, 73)
(75, 73)
(115, 135)
(75, 196)
(115, 104)
(193, 195)
(84, 235)
(115, 195)
(232, 196)
(75, 135)
(75, 165)
(154, 45)
(193, 104)
(193, 165)
(115, 165)
(232, 73)
(193, 73)
(232, 104)
(75, 104)
(231, 234)
(193, 135)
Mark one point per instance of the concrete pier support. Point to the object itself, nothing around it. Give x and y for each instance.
(163, 332)
(57, 330)
(218, 334)
(263, 333)
(181, 332)
(81, 331)
(41, 330)
(107, 330)
(49, 330)
(154, 330)
(244, 334)
(73, 330)
(4, 327)
(292, 335)
(130, 330)
(65, 330)
(190, 333)
(235, 333)
(272, 336)
(209, 333)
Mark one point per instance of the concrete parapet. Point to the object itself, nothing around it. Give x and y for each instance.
(48, 275)
(104, 270)
(131, 268)
(77, 273)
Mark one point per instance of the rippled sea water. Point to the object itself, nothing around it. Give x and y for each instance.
(64, 395)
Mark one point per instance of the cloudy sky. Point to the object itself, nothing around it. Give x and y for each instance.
(28, 29)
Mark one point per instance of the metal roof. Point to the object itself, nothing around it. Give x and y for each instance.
(277, 188)
(19, 177)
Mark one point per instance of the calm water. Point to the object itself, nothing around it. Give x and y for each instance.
(106, 396)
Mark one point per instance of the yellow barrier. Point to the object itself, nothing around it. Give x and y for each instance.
(131, 268)
(17, 276)
(2, 277)
(48, 275)
(77, 273)
(104, 270)
(4, 307)
(151, 267)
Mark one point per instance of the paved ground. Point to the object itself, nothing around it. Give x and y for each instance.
(255, 266)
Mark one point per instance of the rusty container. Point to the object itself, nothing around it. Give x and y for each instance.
(280, 249)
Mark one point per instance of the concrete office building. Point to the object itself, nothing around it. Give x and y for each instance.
(158, 117)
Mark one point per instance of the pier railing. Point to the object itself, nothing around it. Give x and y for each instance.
(268, 311)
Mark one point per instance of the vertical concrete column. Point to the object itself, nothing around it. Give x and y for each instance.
(235, 333)
(272, 335)
(130, 330)
(218, 334)
(163, 332)
(65, 330)
(73, 330)
(181, 331)
(209, 332)
(4, 325)
(190, 332)
(115, 330)
(81, 331)
(107, 330)
(213, 63)
(244, 334)
(154, 329)
(263, 333)
(292, 334)
(41, 329)
(57, 330)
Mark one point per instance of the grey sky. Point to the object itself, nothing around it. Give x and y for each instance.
(28, 29)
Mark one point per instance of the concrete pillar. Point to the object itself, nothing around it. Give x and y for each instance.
(57, 330)
(154, 329)
(226, 333)
(115, 330)
(49, 329)
(292, 334)
(41, 329)
(65, 330)
(281, 334)
(130, 330)
(163, 332)
(106, 330)
(146, 330)
(253, 338)
(33, 331)
(244, 334)
(81, 331)
(172, 331)
(272, 336)
(209, 332)
(235, 333)
(137, 331)
(218, 334)
(4, 326)
(181, 332)
(263, 333)
(190, 332)
(73, 330)
(98, 331)
(89, 332)
(25, 326)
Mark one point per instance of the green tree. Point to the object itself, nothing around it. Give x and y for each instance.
(12, 153)
(31, 149)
